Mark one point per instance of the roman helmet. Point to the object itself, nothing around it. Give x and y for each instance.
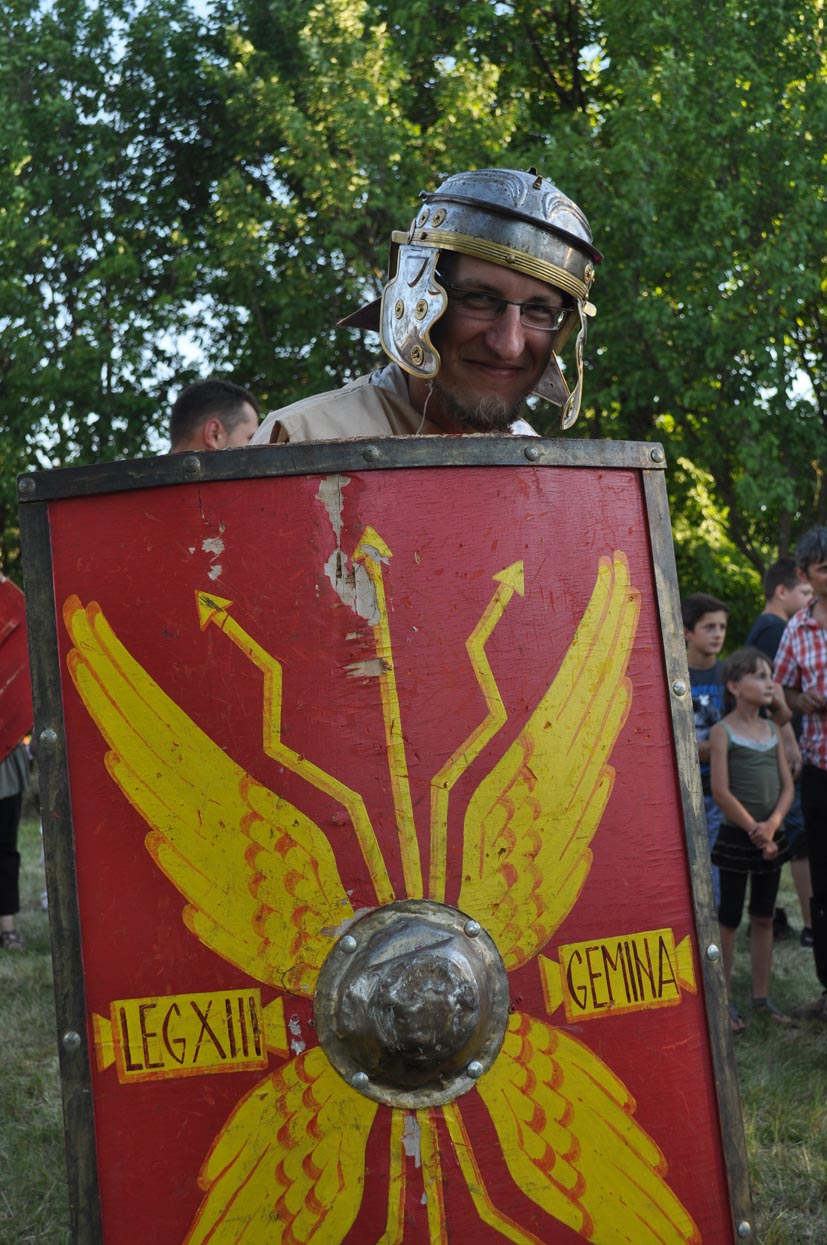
(518, 220)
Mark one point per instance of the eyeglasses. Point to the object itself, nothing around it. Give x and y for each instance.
(480, 305)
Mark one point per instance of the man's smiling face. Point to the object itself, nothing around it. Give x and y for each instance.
(489, 367)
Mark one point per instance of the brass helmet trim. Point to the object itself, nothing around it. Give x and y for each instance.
(504, 256)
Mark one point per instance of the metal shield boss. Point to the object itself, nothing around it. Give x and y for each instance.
(366, 830)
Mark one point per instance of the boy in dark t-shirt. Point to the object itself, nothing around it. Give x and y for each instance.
(704, 628)
(785, 593)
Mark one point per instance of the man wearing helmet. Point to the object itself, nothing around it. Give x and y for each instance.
(486, 286)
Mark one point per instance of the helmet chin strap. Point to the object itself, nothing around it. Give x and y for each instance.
(425, 408)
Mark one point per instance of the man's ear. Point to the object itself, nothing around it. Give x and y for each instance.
(213, 434)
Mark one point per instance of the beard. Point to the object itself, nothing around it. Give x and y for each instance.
(486, 414)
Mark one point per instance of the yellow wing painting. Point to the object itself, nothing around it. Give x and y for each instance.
(259, 876)
(530, 823)
(570, 1141)
(262, 890)
(299, 1136)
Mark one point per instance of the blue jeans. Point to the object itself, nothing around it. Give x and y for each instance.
(713, 822)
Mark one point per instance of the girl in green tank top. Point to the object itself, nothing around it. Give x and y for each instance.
(753, 787)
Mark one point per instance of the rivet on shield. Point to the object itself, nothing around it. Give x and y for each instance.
(26, 486)
(657, 455)
(744, 1230)
(417, 1013)
(48, 736)
(191, 465)
(713, 952)
(348, 944)
(71, 1040)
(679, 687)
(532, 453)
(417, 355)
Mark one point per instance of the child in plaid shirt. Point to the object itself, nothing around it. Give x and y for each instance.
(801, 669)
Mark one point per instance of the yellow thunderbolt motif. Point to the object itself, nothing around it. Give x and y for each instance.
(289, 1164)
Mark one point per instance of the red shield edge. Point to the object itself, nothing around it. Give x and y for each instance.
(267, 688)
(15, 681)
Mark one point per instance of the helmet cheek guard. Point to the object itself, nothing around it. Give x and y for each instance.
(518, 220)
(412, 302)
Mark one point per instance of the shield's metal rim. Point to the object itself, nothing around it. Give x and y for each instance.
(323, 457)
(61, 882)
(667, 597)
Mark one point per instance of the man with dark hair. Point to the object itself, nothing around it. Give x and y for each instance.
(212, 415)
(801, 669)
(704, 628)
(785, 594)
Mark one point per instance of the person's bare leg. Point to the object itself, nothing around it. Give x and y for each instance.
(760, 950)
(800, 870)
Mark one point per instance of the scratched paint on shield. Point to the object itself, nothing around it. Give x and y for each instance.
(264, 893)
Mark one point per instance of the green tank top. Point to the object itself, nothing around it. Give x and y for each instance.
(753, 774)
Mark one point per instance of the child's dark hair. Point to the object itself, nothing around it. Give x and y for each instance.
(781, 574)
(742, 662)
(693, 608)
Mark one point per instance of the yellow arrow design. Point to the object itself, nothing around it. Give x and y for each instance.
(508, 582)
(215, 610)
(372, 552)
(395, 1224)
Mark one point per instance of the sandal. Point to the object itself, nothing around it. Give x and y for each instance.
(736, 1021)
(768, 1008)
(10, 940)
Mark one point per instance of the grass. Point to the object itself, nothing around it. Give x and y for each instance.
(782, 1074)
(34, 1205)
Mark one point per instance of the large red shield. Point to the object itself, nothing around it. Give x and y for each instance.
(392, 917)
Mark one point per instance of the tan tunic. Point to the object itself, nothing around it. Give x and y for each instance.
(360, 409)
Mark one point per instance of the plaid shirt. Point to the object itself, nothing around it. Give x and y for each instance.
(801, 663)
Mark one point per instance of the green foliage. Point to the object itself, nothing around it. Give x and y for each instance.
(190, 194)
(98, 139)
